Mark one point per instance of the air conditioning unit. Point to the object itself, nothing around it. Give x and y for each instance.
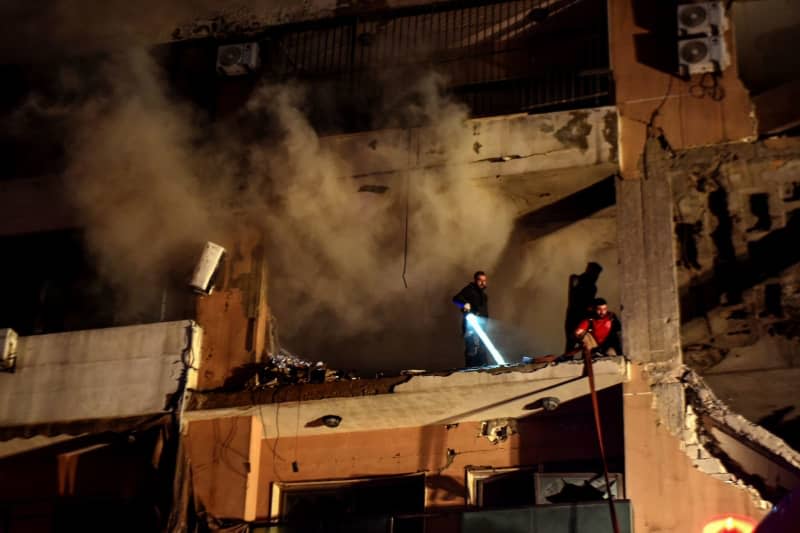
(706, 18)
(238, 59)
(8, 349)
(206, 268)
(701, 54)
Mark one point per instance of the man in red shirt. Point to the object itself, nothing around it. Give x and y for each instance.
(601, 332)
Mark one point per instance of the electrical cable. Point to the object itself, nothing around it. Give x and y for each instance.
(297, 426)
(405, 239)
(405, 229)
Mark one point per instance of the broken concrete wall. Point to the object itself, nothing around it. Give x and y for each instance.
(236, 315)
(737, 214)
(742, 451)
(670, 490)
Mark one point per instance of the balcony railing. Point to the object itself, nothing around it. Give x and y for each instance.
(497, 56)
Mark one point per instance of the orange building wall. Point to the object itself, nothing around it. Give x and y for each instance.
(218, 450)
(219, 455)
(235, 316)
(668, 492)
(687, 121)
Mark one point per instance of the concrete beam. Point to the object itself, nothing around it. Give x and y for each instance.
(495, 146)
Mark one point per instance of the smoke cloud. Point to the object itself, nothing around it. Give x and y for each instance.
(135, 180)
(360, 278)
(337, 254)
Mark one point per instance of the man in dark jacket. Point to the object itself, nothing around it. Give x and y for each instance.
(473, 299)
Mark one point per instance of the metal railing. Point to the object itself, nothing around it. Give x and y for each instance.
(498, 56)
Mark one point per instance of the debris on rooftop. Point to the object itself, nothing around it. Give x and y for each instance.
(283, 368)
(286, 368)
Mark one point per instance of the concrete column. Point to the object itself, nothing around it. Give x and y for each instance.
(648, 286)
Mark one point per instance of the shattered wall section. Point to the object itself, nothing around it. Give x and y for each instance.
(736, 225)
(729, 447)
(675, 482)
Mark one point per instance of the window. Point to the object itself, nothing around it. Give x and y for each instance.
(349, 505)
(501, 487)
(518, 487)
(576, 487)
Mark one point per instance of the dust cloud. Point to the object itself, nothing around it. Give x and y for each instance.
(532, 306)
(136, 183)
(337, 255)
(360, 278)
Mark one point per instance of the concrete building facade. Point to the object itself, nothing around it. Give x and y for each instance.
(354, 191)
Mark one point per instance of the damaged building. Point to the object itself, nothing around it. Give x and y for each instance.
(347, 167)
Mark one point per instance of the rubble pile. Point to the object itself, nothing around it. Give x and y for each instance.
(285, 368)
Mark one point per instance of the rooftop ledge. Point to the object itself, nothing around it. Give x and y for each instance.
(409, 400)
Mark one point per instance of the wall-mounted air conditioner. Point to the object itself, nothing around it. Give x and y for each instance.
(701, 46)
(238, 59)
(700, 54)
(704, 18)
(206, 269)
(8, 349)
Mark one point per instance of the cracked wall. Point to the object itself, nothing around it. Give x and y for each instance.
(736, 225)
(676, 483)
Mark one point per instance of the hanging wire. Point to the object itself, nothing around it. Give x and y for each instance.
(405, 229)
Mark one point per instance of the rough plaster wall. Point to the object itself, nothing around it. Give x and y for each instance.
(737, 212)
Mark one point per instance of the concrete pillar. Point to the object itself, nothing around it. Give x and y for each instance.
(648, 286)
(650, 310)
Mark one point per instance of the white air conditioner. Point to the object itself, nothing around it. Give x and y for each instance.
(706, 18)
(8, 348)
(701, 54)
(210, 259)
(238, 59)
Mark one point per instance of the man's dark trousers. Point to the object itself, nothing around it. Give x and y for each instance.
(474, 351)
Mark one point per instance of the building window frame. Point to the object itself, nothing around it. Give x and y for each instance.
(279, 489)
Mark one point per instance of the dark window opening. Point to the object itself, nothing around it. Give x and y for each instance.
(509, 489)
(52, 285)
(353, 505)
